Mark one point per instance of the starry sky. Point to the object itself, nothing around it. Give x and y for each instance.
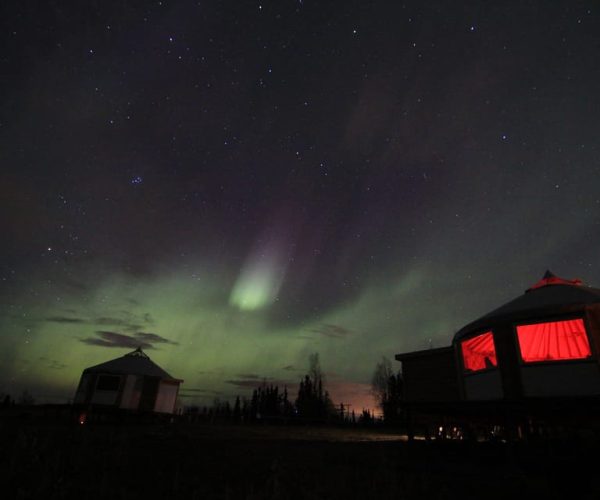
(234, 185)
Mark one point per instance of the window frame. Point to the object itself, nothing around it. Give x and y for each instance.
(553, 362)
(468, 373)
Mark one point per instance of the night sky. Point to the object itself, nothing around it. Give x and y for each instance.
(234, 185)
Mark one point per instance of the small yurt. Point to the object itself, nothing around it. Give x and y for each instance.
(131, 382)
(544, 343)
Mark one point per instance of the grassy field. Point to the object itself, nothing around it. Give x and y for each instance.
(203, 461)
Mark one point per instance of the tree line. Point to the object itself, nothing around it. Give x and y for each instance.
(313, 402)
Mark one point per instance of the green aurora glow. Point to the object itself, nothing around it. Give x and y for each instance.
(217, 344)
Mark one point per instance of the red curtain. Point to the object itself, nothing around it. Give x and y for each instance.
(553, 341)
(479, 352)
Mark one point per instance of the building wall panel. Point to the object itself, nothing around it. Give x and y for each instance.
(430, 376)
(165, 399)
(484, 386)
(130, 399)
(572, 379)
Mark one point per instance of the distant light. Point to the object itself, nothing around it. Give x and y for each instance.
(472, 28)
(504, 137)
(137, 180)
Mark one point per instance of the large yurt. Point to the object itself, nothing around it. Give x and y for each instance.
(544, 343)
(131, 382)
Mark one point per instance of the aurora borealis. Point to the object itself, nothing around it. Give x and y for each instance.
(236, 185)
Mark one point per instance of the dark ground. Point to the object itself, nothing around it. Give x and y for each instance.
(203, 461)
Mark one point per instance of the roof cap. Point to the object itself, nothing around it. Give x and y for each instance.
(138, 353)
(550, 278)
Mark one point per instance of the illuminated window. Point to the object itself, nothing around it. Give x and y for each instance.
(553, 341)
(479, 352)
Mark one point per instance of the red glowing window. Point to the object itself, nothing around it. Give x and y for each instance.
(553, 341)
(479, 352)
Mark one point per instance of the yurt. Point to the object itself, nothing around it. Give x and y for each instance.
(544, 343)
(131, 382)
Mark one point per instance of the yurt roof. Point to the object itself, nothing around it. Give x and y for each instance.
(551, 295)
(134, 363)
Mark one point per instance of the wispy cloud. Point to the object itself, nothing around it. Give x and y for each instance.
(109, 321)
(256, 381)
(125, 324)
(52, 364)
(64, 319)
(115, 339)
(199, 390)
(249, 376)
(130, 324)
(332, 331)
(153, 338)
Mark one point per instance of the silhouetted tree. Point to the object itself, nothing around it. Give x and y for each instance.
(26, 399)
(269, 401)
(366, 418)
(237, 410)
(313, 401)
(387, 388)
(6, 401)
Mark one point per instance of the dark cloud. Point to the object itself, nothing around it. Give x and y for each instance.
(193, 389)
(52, 364)
(256, 381)
(64, 319)
(154, 338)
(109, 321)
(333, 331)
(247, 383)
(199, 394)
(125, 324)
(249, 376)
(114, 339)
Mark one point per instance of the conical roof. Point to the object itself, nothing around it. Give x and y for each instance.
(134, 363)
(550, 295)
